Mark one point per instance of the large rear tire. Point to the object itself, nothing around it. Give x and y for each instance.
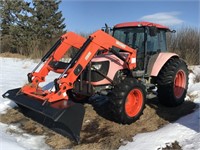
(127, 101)
(172, 82)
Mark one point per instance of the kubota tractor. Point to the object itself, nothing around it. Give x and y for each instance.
(123, 67)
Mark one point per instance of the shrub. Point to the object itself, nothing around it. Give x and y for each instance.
(185, 42)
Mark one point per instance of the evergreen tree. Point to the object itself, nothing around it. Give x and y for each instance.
(47, 20)
(13, 14)
(47, 23)
(28, 29)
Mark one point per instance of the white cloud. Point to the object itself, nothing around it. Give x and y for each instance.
(165, 18)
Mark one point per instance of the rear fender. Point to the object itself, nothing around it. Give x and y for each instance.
(157, 61)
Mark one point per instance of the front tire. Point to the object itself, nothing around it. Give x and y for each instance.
(172, 82)
(77, 97)
(127, 101)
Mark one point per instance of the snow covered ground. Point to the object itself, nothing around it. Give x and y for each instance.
(12, 75)
(185, 130)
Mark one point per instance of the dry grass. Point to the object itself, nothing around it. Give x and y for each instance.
(197, 79)
(186, 44)
(173, 146)
(12, 55)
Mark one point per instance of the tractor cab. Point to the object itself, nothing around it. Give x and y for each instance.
(147, 38)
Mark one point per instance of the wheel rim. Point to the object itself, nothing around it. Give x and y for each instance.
(179, 83)
(134, 102)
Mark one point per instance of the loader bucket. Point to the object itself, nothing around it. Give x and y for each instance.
(64, 117)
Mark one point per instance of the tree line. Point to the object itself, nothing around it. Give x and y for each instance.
(30, 28)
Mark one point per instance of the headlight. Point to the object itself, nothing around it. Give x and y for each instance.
(97, 66)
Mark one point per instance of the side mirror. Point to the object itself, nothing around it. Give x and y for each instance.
(153, 31)
(106, 28)
(173, 31)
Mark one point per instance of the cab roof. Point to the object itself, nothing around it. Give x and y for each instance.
(140, 24)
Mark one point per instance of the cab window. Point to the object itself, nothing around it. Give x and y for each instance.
(133, 37)
(157, 43)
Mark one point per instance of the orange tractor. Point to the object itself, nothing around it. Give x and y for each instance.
(124, 67)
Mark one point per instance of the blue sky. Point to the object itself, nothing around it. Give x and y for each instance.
(88, 16)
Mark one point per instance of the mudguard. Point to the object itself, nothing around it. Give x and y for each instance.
(157, 61)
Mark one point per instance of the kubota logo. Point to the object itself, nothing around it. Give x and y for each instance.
(133, 60)
(88, 55)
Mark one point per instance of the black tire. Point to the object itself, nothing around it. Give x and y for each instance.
(119, 99)
(77, 97)
(167, 79)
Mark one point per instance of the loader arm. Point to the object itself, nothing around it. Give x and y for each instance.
(98, 41)
(55, 54)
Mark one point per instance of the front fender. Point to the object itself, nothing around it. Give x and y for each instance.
(157, 61)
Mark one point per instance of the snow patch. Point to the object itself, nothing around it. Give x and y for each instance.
(185, 130)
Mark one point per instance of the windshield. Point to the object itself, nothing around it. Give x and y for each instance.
(133, 37)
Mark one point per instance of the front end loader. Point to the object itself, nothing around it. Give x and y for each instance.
(124, 67)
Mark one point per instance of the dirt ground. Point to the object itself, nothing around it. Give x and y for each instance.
(173, 146)
(98, 130)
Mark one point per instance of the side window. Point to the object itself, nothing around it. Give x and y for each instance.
(158, 42)
(162, 39)
(152, 43)
(138, 40)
